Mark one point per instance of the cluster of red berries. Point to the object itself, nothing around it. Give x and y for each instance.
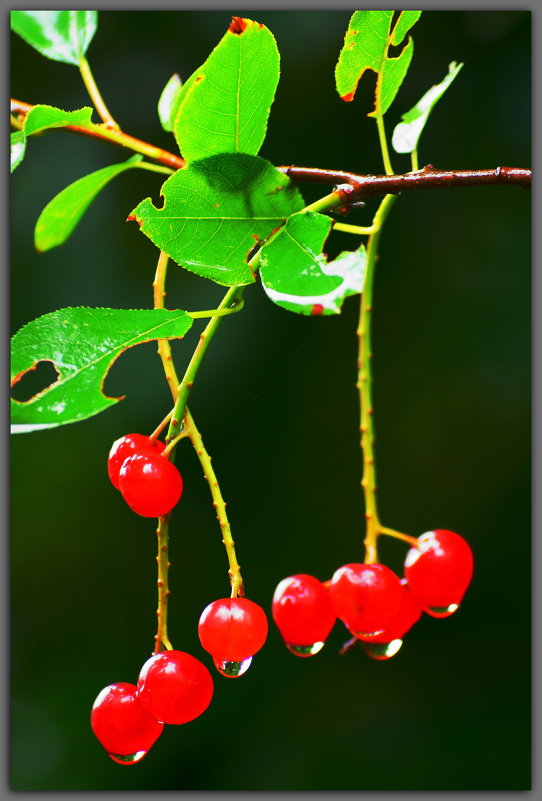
(376, 606)
(173, 686)
(149, 483)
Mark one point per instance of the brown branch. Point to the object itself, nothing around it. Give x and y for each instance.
(354, 188)
(359, 187)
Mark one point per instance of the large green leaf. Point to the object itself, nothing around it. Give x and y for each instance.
(59, 35)
(366, 47)
(60, 216)
(169, 102)
(215, 211)
(82, 344)
(408, 131)
(224, 106)
(296, 274)
(17, 148)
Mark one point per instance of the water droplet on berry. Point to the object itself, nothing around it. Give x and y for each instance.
(129, 759)
(233, 669)
(442, 611)
(305, 650)
(382, 650)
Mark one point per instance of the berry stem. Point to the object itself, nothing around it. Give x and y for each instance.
(353, 229)
(234, 571)
(364, 385)
(163, 587)
(95, 95)
(398, 535)
(384, 144)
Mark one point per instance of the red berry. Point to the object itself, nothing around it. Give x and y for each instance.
(120, 723)
(408, 613)
(174, 687)
(366, 597)
(126, 446)
(302, 610)
(150, 484)
(232, 629)
(439, 570)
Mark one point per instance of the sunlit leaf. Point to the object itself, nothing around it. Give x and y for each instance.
(82, 344)
(407, 133)
(17, 148)
(296, 274)
(42, 117)
(366, 48)
(59, 35)
(215, 211)
(60, 216)
(224, 106)
(169, 102)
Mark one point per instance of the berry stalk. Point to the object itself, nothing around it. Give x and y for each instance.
(364, 385)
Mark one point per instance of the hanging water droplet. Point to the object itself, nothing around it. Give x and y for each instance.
(442, 611)
(129, 759)
(382, 650)
(233, 669)
(305, 650)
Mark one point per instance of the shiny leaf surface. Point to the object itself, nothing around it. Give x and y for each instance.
(169, 102)
(296, 274)
(59, 35)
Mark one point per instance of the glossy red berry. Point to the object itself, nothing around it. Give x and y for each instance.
(150, 484)
(439, 570)
(408, 613)
(302, 610)
(126, 446)
(122, 726)
(365, 597)
(232, 629)
(174, 687)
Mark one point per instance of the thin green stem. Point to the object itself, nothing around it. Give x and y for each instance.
(353, 229)
(95, 95)
(231, 300)
(398, 535)
(163, 588)
(234, 571)
(364, 385)
(384, 144)
(217, 312)
(145, 165)
(414, 161)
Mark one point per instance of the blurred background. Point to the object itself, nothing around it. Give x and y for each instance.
(276, 402)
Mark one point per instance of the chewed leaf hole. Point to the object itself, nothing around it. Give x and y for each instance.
(33, 381)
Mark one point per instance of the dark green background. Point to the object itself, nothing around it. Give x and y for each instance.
(277, 405)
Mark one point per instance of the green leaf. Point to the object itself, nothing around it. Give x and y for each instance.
(407, 133)
(215, 211)
(59, 35)
(82, 344)
(42, 117)
(366, 47)
(169, 102)
(296, 274)
(17, 148)
(60, 216)
(224, 106)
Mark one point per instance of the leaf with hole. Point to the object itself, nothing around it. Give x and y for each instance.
(224, 106)
(366, 45)
(169, 102)
(59, 35)
(296, 274)
(408, 131)
(216, 211)
(82, 345)
(61, 215)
